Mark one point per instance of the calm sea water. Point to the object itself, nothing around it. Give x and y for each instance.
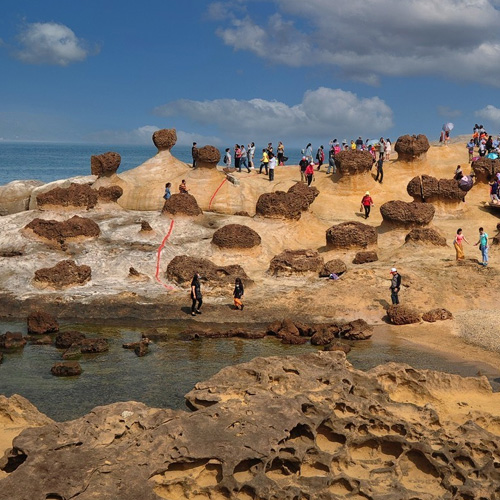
(174, 366)
(48, 162)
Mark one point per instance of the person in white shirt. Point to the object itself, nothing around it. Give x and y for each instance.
(251, 154)
(272, 166)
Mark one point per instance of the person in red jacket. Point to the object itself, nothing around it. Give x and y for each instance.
(366, 203)
(309, 173)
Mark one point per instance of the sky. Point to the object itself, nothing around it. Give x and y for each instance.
(235, 71)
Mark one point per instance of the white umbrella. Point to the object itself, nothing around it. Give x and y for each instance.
(447, 127)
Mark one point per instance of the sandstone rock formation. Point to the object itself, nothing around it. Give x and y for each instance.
(236, 236)
(350, 235)
(207, 157)
(302, 189)
(64, 274)
(403, 315)
(105, 165)
(296, 261)
(485, 169)
(76, 195)
(109, 194)
(279, 204)
(425, 235)
(430, 189)
(41, 322)
(15, 196)
(274, 429)
(335, 266)
(182, 268)
(406, 214)
(63, 232)
(12, 340)
(439, 314)
(64, 340)
(365, 257)
(411, 148)
(165, 139)
(146, 226)
(182, 204)
(353, 162)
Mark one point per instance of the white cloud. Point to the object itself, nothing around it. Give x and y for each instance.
(321, 113)
(50, 43)
(144, 134)
(490, 113)
(448, 112)
(369, 39)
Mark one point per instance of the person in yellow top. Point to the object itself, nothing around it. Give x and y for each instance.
(264, 161)
(353, 146)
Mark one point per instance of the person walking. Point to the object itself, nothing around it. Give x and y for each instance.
(302, 166)
(309, 152)
(238, 294)
(331, 161)
(272, 166)
(167, 194)
(196, 296)
(320, 156)
(380, 170)
(251, 155)
(366, 204)
(227, 158)
(381, 149)
(309, 173)
(237, 157)
(388, 149)
(470, 149)
(395, 286)
(458, 244)
(194, 154)
(264, 161)
(243, 159)
(483, 246)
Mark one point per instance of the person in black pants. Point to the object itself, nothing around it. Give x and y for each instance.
(380, 170)
(194, 154)
(196, 295)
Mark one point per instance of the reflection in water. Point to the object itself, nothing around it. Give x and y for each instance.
(172, 367)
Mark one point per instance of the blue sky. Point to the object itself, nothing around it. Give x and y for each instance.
(247, 70)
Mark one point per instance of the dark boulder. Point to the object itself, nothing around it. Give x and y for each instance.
(406, 214)
(236, 236)
(353, 162)
(12, 340)
(358, 329)
(425, 235)
(485, 169)
(351, 234)
(93, 346)
(403, 315)
(411, 147)
(109, 194)
(325, 334)
(165, 139)
(41, 322)
(182, 204)
(296, 261)
(66, 369)
(207, 157)
(438, 314)
(76, 195)
(335, 266)
(66, 339)
(365, 257)
(105, 165)
(310, 193)
(63, 275)
(281, 205)
(336, 345)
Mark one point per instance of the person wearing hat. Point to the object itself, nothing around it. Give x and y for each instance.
(395, 285)
(366, 203)
(309, 173)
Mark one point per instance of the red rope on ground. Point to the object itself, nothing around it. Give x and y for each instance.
(158, 257)
(213, 196)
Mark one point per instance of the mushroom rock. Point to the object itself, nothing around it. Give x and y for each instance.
(165, 139)
(109, 194)
(430, 189)
(296, 261)
(182, 204)
(351, 234)
(279, 204)
(236, 236)
(411, 147)
(182, 268)
(302, 189)
(438, 314)
(365, 257)
(63, 275)
(425, 235)
(485, 169)
(15, 196)
(353, 162)
(207, 157)
(407, 214)
(335, 266)
(41, 322)
(75, 228)
(403, 314)
(61, 183)
(105, 165)
(76, 195)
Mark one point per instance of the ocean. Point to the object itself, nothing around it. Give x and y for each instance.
(48, 162)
